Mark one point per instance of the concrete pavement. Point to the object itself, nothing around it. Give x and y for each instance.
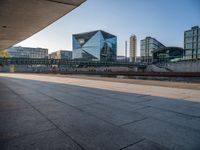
(45, 112)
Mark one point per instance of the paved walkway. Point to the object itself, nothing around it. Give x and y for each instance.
(50, 113)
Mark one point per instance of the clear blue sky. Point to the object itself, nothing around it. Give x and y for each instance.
(166, 20)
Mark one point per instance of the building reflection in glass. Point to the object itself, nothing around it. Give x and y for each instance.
(95, 46)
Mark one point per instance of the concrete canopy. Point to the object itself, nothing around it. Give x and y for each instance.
(19, 19)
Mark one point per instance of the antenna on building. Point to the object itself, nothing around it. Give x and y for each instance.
(125, 51)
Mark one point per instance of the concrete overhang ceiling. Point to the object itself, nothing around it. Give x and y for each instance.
(19, 19)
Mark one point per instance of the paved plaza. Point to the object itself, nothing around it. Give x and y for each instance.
(43, 112)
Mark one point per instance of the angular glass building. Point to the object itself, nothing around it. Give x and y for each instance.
(95, 46)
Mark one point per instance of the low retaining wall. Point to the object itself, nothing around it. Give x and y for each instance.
(183, 66)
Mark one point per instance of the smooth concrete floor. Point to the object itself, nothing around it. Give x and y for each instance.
(41, 112)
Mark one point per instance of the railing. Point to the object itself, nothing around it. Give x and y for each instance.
(63, 62)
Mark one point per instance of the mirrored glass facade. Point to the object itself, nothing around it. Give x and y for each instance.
(95, 46)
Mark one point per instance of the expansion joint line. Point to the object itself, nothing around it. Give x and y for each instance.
(133, 144)
(57, 127)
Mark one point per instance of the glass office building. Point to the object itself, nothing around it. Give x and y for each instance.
(27, 52)
(95, 46)
(147, 46)
(192, 43)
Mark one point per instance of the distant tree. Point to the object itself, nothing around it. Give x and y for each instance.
(4, 54)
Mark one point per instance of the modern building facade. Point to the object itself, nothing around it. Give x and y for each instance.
(122, 59)
(61, 54)
(95, 46)
(27, 52)
(168, 54)
(133, 48)
(192, 43)
(147, 46)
